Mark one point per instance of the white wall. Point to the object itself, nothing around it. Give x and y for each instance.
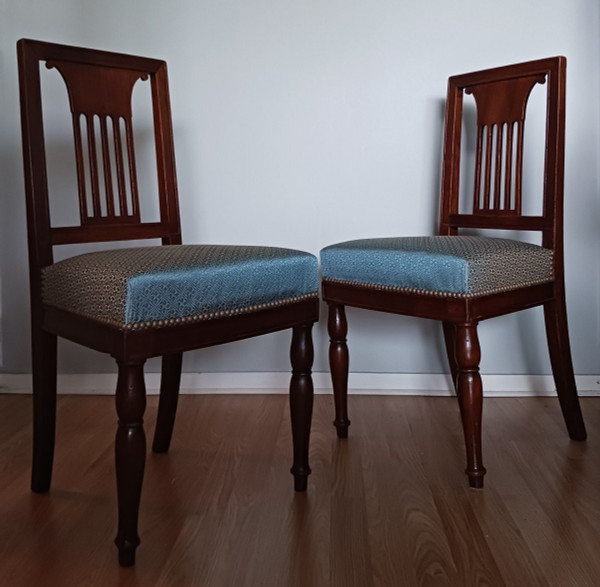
(302, 123)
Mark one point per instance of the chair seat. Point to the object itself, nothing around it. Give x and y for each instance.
(453, 266)
(164, 285)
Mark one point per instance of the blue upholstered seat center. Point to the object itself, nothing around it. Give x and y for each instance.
(441, 265)
(156, 286)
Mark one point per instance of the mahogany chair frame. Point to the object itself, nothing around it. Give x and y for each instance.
(93, 80)
(460, 316)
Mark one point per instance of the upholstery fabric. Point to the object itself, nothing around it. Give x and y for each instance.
(164, 285)
(455, 266)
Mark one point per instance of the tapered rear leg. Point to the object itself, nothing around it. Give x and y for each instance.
(130, 456)
(44, 408)
(167, 405)
(337, 327)
(301, 401)
(470, 397)
(557, 332)
(450, 340)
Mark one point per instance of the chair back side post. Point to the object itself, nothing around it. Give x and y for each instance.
(451, 159)
(165, 157)
(34, 166)
(554, 171)
(501, 96)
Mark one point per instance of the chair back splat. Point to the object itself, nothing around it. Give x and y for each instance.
(501, 97)
(99, 86)
(140, 302)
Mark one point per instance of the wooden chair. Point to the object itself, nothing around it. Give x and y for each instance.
(136, 303)
(461, 280)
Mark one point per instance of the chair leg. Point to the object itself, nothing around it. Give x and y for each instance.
(337, 327)
(301, 401)
(450, 339)
(44, 408)
(470, 397)
(557, 332)
(130, 456)
(167, 405)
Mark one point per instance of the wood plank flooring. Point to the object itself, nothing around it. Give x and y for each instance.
(390, 506)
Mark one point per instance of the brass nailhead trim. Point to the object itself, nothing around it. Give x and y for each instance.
(200, 317)
(434, 293)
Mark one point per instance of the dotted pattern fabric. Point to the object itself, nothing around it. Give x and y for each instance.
(455, 266)
(163, 285)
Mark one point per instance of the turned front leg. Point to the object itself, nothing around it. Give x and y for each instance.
(130, 456)
(470, 397)
(301, 401)
(337, 327)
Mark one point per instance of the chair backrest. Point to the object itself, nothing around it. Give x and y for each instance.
(99, 86)
(501, 95)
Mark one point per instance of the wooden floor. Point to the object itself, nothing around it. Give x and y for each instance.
(389, 506)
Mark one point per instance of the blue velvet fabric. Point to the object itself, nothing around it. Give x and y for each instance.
(220, 287)
(462, 265)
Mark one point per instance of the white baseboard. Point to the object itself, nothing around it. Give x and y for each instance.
(359, 383)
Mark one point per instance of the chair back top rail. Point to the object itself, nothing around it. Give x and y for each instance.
(501, 95)
(99, 86)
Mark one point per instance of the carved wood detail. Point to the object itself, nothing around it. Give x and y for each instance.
(100, 102)
(499, 153)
